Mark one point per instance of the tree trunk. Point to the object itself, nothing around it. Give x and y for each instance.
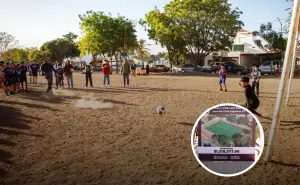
(117, 63)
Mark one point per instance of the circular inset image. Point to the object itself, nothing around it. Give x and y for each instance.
(227, 140)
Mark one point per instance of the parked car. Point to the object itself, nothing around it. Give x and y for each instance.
(98, 68)
(232, 67)
(77, 68)
(159, 68)
(185, 68)
(208, 68)
(269, 67)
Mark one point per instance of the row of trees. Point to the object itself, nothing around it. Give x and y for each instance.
(238, 140)
(103, 35)
(54, 50)
(108, 36)
(192, 28)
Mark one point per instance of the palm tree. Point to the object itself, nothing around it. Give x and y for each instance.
(290, 9)
(141, 49)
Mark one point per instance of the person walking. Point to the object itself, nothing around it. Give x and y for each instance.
(106, 72)
(133, 69)
(147, 69)
(125, 71)
(68, 70)
(88, 75)
(48, 70)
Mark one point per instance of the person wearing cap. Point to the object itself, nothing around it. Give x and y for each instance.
(48, 70)
(23, 77)
(252, 102)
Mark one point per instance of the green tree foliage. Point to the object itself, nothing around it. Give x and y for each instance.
(274, 40)
(224, 140)
(71, 37)
(244, 121)
(242, 141)
(246, 131)
(194, 27)
(232, 118)
(59, 49)
(15, 54)
(106, 35)
(7, 41)
(141, 49)
(34, 54)
(161, 29)
(237, 136)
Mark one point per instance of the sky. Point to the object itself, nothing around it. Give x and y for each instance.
(33, 22)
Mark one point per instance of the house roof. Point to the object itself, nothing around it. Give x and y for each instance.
(242, 30)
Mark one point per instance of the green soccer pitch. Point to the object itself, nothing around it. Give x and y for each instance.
(224, 128)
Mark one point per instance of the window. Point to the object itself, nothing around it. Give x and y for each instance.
(238, 48)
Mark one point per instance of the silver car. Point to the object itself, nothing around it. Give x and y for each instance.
(184, 68)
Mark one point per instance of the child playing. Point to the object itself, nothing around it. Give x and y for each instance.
(60, 76)
(256, 75)
(106, 73)
(223, 73)
(252, 102)
(23, 77)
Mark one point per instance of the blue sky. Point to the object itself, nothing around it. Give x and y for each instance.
(33, 22)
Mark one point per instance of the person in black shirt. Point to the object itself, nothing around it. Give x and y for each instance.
(133, 69)
(48, 70)
(147, 68)
(23, 77)
(252, 102)
(88, 75)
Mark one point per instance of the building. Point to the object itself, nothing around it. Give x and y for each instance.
(244, 51)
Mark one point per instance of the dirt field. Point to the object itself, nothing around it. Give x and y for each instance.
(50, 141)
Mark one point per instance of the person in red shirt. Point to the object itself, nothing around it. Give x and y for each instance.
(68, 70)
(106, 72)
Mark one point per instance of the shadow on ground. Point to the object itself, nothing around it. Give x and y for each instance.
(12, 122)
(42, 96)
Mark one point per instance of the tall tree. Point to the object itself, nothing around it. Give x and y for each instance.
(161, 29)
(15, 54)
(200, 26)
(106, 35)
(71, 37)
(275, 42)
(7, 41)
(59, 49)
(34, 54)
(142, 49)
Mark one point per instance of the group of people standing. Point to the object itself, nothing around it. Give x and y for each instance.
(13, 76)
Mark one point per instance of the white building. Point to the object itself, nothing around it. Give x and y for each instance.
(244, 50)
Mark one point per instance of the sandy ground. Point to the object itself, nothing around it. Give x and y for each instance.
(51, 141)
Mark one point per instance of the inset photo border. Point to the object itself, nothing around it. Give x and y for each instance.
(227, 140)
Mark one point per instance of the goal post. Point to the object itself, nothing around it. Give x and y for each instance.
(284, 77)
